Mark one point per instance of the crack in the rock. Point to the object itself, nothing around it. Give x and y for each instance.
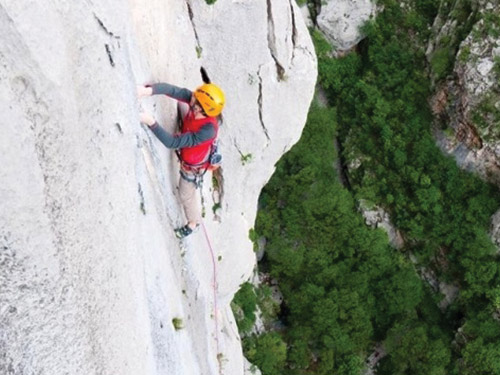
(271, 42)
(105, 28)
(191, 18)
(294, 27)
(142, 204)
(307, 51)
(237, 147)
(259, 102)
(112, 35)
(244, 157)
(314, 11)
(285, 149)
(110, 55)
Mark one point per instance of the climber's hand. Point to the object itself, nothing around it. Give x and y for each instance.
(144, 91)
(147, 119)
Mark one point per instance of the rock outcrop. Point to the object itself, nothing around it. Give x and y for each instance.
(467, 101)
(377, 217)
(340, 21)
(92, 279)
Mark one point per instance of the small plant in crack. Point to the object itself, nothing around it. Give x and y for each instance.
(246, 158)
(215, 207)
(215, 183)
(177, 323)
(199, 50)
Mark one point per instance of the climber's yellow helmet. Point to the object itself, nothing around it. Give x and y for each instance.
(211, 99)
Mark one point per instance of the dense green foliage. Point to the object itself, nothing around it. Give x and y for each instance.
(344, 286)
(382, 101)
(244, 305)
(443, 211)
(267, 352)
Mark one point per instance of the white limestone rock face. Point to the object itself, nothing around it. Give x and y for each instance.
(340, 21)
(74, 295)
(91, 275)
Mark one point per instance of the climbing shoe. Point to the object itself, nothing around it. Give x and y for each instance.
(184, 231)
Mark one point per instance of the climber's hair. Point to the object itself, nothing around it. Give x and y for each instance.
(204, 75)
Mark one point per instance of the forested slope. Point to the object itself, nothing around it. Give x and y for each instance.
(346, 291)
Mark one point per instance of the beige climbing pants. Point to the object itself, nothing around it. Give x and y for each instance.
(190, 200)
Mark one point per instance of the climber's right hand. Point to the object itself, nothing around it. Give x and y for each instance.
(147, 119)
(144, 91)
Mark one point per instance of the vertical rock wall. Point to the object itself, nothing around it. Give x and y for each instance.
(91, 276)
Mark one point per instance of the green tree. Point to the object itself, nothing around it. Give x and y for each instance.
(244, 305)
(267, 352)
(413, 350)
(480, 358)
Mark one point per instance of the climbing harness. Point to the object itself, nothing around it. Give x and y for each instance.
(195, 178)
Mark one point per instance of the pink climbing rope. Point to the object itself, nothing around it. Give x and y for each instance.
(214, 285)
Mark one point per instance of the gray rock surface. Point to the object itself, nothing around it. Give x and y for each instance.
(340, 21)
(91, 275)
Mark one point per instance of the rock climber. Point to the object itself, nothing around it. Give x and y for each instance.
(200, 112)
